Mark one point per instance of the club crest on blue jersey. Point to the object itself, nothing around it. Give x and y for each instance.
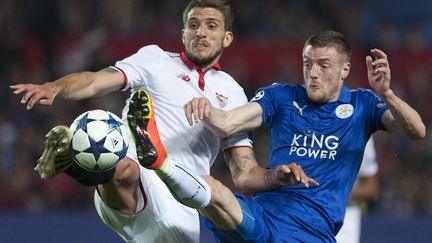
(258, 95)
(344, 111)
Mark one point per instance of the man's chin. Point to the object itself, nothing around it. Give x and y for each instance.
(316, 98)
(202, 58)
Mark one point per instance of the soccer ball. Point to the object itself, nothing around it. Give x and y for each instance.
(98, 140)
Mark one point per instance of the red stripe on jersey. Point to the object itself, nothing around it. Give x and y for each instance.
(144, 196)
(125, 79)
(191, 65)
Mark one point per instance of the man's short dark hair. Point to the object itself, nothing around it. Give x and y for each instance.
(221, 5)
(331, 38)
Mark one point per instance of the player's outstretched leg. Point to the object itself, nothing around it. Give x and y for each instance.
(150, 150)
(186, 187)
(55, 158)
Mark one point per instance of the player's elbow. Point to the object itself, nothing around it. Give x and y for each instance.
(418, 133)
(422, 132)
(243, 186)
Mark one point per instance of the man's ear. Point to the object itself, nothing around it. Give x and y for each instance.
(345, 70)
(228, 39)
(183, 36)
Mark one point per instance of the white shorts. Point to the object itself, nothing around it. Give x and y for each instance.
(350, 231)
(158, 218)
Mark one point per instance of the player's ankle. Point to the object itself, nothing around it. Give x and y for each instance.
(166, 168)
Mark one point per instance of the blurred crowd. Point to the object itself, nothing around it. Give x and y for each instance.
(41, 40)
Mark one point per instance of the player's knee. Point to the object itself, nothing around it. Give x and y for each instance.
(126, 170)
(218, 191)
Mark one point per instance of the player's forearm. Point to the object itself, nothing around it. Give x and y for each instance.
(256, 180)
(225, 123)
(406, 118)
(75, 86)
(217, 122)
(247, 175)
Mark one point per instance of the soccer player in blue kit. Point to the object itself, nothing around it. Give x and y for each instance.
(323, 127)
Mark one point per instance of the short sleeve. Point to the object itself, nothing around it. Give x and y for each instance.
(139, 67)
(375, 108)
(265, 97)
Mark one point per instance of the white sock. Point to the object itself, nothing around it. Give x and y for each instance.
(186, 187)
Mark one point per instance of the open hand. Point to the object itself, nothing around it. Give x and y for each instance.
(33, 94)
(197, 109)
(378, 71)
(291, 174)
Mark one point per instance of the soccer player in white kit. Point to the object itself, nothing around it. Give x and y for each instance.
(365, 188)
(131, 199)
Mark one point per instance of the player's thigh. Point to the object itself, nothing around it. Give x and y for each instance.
(157, 213)
(253, 227)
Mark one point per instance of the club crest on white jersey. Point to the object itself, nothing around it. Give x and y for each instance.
(344, 111)
(222, 100)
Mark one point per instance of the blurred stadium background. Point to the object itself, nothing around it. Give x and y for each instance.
(41, 40)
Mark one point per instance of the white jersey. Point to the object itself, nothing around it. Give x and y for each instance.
(172, 80)
(351, 229)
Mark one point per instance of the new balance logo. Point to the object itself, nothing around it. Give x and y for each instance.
(296, 105)
(184, 76)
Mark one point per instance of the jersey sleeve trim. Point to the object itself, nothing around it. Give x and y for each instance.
(142, 201)
(237, 146)
(125, 79)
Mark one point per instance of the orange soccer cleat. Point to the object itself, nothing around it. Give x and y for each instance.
(150, 150)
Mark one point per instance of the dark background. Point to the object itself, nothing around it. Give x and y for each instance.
(42, 40)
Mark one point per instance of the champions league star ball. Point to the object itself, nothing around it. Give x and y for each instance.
(98, 140)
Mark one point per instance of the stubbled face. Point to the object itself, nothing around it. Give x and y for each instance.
(324, 70)
(204, 36)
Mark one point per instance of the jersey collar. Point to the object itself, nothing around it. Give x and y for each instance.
(345, 95)
(191, 65)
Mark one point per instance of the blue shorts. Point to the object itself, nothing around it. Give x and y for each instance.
(251, 228)
(260, 226)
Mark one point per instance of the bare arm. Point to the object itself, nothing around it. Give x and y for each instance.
(366, 189)
(224, 123)
(400, 118)
(249, 177)
(74, 86)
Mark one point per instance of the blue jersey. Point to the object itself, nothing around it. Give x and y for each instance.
(327, 141)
